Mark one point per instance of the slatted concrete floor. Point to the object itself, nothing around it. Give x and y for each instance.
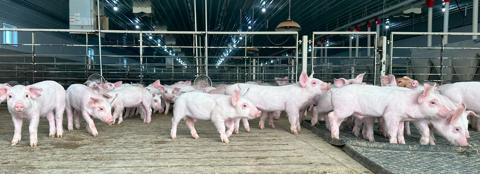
(134, 147)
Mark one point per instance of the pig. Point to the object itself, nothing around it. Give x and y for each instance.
(131, 96)
(46, 99)
(281, 81)
(288, 98)
(85, 101)
(467, 93)
(323, 103)
(103, 87)
(388, 80)
(171, 92)
(4, 97)
(155, 88)
(390, 103)
(220, 109)
(407, 82)
(453, 127)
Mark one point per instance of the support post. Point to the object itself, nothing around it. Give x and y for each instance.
(430, 4)
(475, 19)
(383, 61)
(33, 58)
(445, 21)
(206, 38)
(304, 53)
(141, 58)
(99, 38)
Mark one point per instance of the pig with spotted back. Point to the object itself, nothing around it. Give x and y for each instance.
(131, 96)
(46, 98)
(82, 100)
(222, 110)
(391, 104)
(288, 98)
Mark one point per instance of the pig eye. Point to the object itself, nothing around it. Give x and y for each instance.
(433, 102)
(9, 96)
(27, 96)
(457, 129)
(244, 106)
(314, 83)
(101, 109)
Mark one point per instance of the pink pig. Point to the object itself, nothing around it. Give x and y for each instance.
(288, 98)
(85, 101)
(46, 98)
(392, 104)
(222, 110)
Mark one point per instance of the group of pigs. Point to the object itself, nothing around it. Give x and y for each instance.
(393, 106)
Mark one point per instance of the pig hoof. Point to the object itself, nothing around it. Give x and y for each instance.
(336, 142)
(51, 135)
(236, 131)
(247, 130)
(70, 128)
(59, 135)
(15, 142)
(33, 144)
(226, 141)
(194, 136)
(94, 134)
(261, 126)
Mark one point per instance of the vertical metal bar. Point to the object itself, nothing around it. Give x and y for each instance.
(99, 38)
(369, 39)
(33, 58)
(87, 64)
(304, 53)
(296, 58)
(141, 57)
(475, 19)
(254, 69)
(429, 26)
(375, 43)
(445, 21)
(206, 38)
(384, 56)
(350, 38)
(356, 55)
(313, 52)
(195, 38)
(391, 53)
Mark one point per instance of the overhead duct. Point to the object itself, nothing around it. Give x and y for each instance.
(142, 6)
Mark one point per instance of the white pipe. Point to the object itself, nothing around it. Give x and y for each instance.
(384, 56)
(350, 54)
(435, 33)
(429, 26)
(369, 40)
(254, 71)
(304, 53)
(206, 38)
(195, 38)
(445, 21)
(313, 54)
(356, 56)
(342, 32)
(99, 38)
(377, 28)
(475, 19)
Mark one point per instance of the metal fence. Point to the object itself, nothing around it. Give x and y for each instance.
(344, 54)
(411, 55)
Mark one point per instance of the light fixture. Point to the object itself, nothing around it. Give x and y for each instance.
(249, 27)
(289, 24)
(115, 8)
(240, 38)
(387, 27)
(137, 26)
(150, 37)
(264, 9)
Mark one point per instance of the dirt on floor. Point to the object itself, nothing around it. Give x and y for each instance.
(135, 147)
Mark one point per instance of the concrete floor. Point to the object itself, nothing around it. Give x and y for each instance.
(134, 147)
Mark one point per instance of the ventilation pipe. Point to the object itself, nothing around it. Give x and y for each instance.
(429, 24)
(475, 19)
(369, 38)
(445, 21)
(378, 21)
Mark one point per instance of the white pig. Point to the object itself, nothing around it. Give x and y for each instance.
(131, 96)
(220, 109)
(387, 102)
(46, 98)
(467, 93)
(85, 101)
(288, 98)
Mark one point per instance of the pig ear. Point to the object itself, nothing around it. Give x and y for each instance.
(471, 113)
(414, 83)
(359, 77)
(117, 84)
(392, 79)
(3, 92)
(426, 92)
(303, 79)
(176, 90)
(159, 86)
(235, 97)
(93, 101)
(34, 91)
(456, 114)
(339, 82)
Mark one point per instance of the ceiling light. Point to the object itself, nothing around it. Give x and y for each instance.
(150, 37)
(137, 26)
(115, 8)
(249, 27)
(264, 10)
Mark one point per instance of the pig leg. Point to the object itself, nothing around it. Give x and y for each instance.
(220, 125)
(314, 120)
(271, 120)
(407, 128)
(381, 127)
(59, 120)
(230, 123)
(51, 124)
(76, 119)
(167, 107)
(69, 117)
(148, 113)
(400, 135)
(191, 125)
(246, 125)
(293, 119)
(17, 134)
(335, 119)
(422, 127)
(32, 128)
(477, 124)
(358, 124)
(117, 114)
(368, 129)
(392, 124)
(178, 115)
(90, 124)
(236, 126)
(261, 123)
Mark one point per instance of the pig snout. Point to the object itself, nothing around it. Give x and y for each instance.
(109, 120)
(19, 107)
(462, 141)
(258, 114)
